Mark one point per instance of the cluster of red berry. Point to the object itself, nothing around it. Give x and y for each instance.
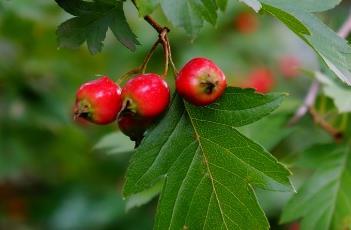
(146, 96)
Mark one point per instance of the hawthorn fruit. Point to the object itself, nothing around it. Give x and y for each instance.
(246, 22)
(201, 82)
(98, 101)
(133, 125)
(146, 95)
(261, 79)
(289, 66)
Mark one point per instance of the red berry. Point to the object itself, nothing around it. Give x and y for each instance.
(246, 22)
(132, 125)
(201, 82)
(147, 95)
(289, 66)
(98, 101)
(294, 226)
(260, 79)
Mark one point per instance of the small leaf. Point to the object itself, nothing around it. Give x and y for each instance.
(190, 14)
(114, 143)
(293, 23)
(323, 201)
(340, 95)
(146, 7)
(91, 23)
(222, 4)
(210, 168)
(139, 199)
(77, 7)
(254, 4)
(121, 29)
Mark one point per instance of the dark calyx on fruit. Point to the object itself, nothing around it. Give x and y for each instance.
(209, 86)
(82, 110)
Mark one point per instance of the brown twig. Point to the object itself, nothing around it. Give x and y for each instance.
(162, 39)
(307, 103)
(318, 119)
(155, 25)
(311, 96)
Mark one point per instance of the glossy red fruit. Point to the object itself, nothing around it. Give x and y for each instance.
(201, 82)
(261, 79)
(98, 101)
(146, 95)
(289, 66)
(133, 125)
(246, 22)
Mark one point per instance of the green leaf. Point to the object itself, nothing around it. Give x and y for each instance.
(222, 4)
(269, 131)
(340, 95)
(334, 51)
(323, 202)
(306, 5)
(139, 199)
(77, 8)
(146, 7)
(115, 143)
(91, 23)
(254, 4)
(293, 23)
(317, 5)
(190, 14)
(210, 168)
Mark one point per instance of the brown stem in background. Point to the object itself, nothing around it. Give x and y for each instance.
(307, 103)
(311, 96)
(319, 119)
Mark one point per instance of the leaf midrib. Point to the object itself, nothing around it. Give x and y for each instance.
(208, 169)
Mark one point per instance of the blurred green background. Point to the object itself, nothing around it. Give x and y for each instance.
(51, 176)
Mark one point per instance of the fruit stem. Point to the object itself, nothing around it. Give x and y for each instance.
(143, 66)
(163, 38)
(154, 24)
(148, 56)
(175, 71)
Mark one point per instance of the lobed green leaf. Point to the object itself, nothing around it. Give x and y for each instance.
(209, 167)
(323, 201)
(91, 22)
